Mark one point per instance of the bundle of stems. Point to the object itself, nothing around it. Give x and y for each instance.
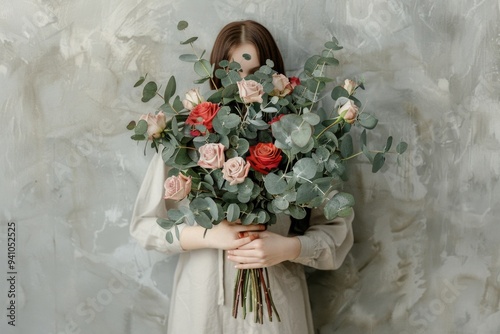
(251, 289)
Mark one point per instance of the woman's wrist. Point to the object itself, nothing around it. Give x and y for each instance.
(193, 237)
(294, 248)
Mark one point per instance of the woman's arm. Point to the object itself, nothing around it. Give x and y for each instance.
(150, 205)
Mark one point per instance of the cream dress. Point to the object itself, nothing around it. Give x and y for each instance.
(203, 284)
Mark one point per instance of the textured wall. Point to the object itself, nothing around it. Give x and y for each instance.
(426, 257)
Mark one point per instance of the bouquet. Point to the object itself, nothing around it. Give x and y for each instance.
(257, 147)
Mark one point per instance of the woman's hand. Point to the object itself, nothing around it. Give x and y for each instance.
(225, 235)
(267, 250)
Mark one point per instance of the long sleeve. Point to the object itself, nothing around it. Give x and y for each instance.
(326, 244)
(149, 206)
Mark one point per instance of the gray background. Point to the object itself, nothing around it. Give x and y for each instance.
(426, 257)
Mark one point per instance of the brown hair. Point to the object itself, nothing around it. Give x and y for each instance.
(239, 32)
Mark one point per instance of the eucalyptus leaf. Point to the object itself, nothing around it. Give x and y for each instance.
(131, 125)
(190, 58)
(149, 91)
(378, 162)
(189, 40)
(141, 128)
(401, 147)
(275, 184)
(337, 204)
(388, 144)
(170, 89)
(346, 146)
(140, 81)
(203, 68)
(182, 25)
(233, 212)
(367, 120)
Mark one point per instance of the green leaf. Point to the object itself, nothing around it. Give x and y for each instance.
(167, 152)
(141, 128)
(363, 137)
(346, 146)
(140, 81)
(367, 120)
(170, 89)
(401, 147)
(280, 203)
(169, 237)
(333, 45)
(297, 212)
(302, 134)
(338, 92)
(233, 212)
(275, 184)
(189, 40)
(311, 118)
(138, 137)
(305, 168)
(203, 68)
(190, 58)
(246, 56)
(212, 208)
(149, 91)
(203, 220)
(311, 63)
(182, 25)
(388, 144)
(131, 125)
(165, 223)
(337, 205)
(378, 162)
(305, 193)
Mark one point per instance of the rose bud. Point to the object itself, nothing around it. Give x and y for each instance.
(350, 86)
(349, 112)
(156, 124)
(193, 98)
(282, 86)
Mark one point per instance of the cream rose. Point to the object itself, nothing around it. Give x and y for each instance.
(193, 98)
(250, 91)
(282, 86)
(350, 86)
(211, 156)
(235, 170)
(177, 187)
(349, 112)
(156, 124)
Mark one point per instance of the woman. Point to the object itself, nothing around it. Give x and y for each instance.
(204, 279)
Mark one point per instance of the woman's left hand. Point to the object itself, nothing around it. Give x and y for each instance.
(266, 250)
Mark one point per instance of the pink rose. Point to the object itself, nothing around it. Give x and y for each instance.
(250, 91)
(156, 124)
(211, 156)
(235, 170)
(282, 86)
(350, 86)
(348, 112)
(294, 82)
(177, 187)
(193, 98)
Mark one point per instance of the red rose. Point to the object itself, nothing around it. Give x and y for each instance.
(294, 81)
(264, 157)
(203, 114)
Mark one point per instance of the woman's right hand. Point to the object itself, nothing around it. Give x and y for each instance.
(225, 235)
